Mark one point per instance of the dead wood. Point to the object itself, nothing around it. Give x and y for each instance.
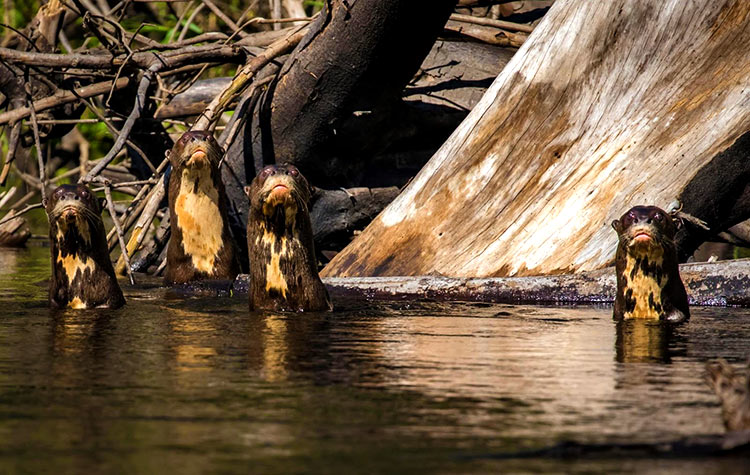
(489, 35)
(529, 183)
(718, 284)
(337, 214)
(355, 57)
(14, 231)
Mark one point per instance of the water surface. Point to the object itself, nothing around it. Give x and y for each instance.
(198, 384)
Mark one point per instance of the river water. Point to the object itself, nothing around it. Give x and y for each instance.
(197, 384)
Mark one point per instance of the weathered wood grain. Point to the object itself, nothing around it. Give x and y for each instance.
(607, 105)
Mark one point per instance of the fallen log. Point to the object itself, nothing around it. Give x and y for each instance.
(356, 56)
(14, 232)
(336, 214)
(607, 105)
(717, 284)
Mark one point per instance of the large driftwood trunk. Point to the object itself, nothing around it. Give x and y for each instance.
(607, 105)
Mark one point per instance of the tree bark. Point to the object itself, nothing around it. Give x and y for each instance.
(607, 105)
(336, 214)
(357, 56)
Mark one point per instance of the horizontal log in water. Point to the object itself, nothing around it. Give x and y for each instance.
(725, 283)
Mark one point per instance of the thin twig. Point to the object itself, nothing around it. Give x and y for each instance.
(223, 16)
(155, 196)
(7, 195)
(76, 121)
(39, 157)
(188, 22)
(134, 210)
(244, 76)
(503, 25)
(276, 12)
(15, 135)
(239, 116)
(19, 213)
(120, 236)
(116, 134)
(170, 59)
(140, 101)
(274, 21)
(61, 97)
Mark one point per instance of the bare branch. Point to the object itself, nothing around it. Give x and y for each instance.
(120, 236)
(62, 97)
(140, 101)
(244, 76)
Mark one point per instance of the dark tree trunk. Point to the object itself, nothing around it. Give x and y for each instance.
(358, 56)
(718, 194)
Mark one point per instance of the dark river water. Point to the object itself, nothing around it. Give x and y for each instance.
(199, 385)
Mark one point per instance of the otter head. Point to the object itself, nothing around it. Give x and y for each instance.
(195, 149)
(73, 208)
(645, 230)
(279, 191)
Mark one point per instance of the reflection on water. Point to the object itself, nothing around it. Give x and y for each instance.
(200, 385)
(641, 341)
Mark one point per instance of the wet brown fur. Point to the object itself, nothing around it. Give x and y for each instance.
(200, 245)
(733, 388)
(648, 276)
(283, 269)
(82, 273)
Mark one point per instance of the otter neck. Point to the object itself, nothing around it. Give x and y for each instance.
(645, 279)
(198, 217)
(74, 256)
(279, 239)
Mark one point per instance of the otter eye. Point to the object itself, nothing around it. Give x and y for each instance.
(84, 193)
(658, 217)
(293, 171)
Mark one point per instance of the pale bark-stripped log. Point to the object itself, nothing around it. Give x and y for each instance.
(607, 105)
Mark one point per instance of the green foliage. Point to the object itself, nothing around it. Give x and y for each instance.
(98, 135)
(313, 6)
(20, 13)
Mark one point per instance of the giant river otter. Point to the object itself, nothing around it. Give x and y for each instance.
(82, 273)
(201, 245)
(283, 269)
(648, 277)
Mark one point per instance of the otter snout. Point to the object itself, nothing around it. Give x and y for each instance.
(195, 149)
(68, 208)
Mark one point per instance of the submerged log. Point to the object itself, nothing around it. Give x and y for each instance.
(15, 232)
(724, 283)
(607, 105)
(716, 284)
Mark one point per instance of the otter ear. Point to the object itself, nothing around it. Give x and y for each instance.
(247, 191)
(617, 225)
(44, 203)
